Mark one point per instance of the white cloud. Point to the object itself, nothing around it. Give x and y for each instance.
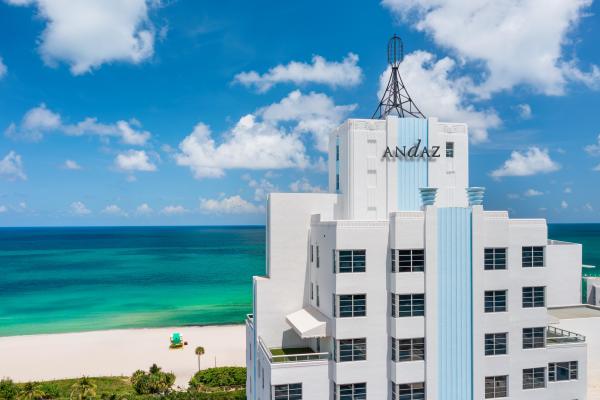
(143, 209)
(261, 188)
(518, 42)
(564, 204)
(532, 193)
(114, 209)
(588, 207)
(87, 34)
(39, 121)
(3, 209)
(345, 73)
(70, 164)
(229, 205)
(533, 161)
(597, 168)
(513, 196)
(134, 160)
(3, 69)
(249, 144)
(524, 111)
(174, 210)
(11, 167)
(568, 190)
(303, 185)
(78, 208)
(314, 113)
(593, 149)
(437, 92)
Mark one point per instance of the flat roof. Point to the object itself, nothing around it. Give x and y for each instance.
(572, 312)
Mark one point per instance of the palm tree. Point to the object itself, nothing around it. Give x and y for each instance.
(199, 353)
(31, 391)
(83, 389)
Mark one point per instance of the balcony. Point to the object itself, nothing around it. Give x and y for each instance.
(556, 336)
(250, 320)
(292, 354)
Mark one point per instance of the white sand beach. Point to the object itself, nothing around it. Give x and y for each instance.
(119, 352)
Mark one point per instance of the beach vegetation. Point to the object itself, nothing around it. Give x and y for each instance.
(31, 391)
(222, 377)
(199, 352)
(155, 381)
(83, 389)
(8, 389)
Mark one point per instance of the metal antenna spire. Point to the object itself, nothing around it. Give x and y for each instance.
(396, 100)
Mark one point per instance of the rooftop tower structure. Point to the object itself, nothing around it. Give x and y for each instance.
(399, 285)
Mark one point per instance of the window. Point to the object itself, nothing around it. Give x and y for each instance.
(495, 301)
(408, 349)
(352, 391)
(312, 287)
(534, 338)
(534, 296)
(450, 149)
(337, 182)
(563, 371)
(351, 305)
(412, 260)
(311, 253)
(409, 391)
(494, 258)
(292, 391)
(351, 350)
(495, 344)
(533, 256)
(534, 378)
(318, 261)
(496, 386)
(351, 261)
(318, 297)
(408, 305)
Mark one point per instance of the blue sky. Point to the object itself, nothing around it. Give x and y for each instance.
(186, 112)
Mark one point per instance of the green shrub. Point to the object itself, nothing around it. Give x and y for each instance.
(51, 390)
(153, 382)
(219, 377)
(8, 389)
(191, 395)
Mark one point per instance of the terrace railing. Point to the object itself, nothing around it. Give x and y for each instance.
(291, 357)
(556, 335)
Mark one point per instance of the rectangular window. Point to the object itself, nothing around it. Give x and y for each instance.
(292, 391)
(352, 391)
(408, 305)
(337, 182)
(450, 149)
(495, 344)
(318, 261)
(312, 287)
(318, 297)
(563, 371)
(311, 253)
(408, 349)
(351, 261)
(534, 338)
(496, 386)
(494, 258)
(351, 305)
(411, 260)
(534, 378)
(534, 296)
(533, 256)
(408, 391)
(495, 301)
(351, 350)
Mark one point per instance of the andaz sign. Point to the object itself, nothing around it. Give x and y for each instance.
(415, 151)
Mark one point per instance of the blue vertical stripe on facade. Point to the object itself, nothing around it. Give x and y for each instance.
(455, 305)
(412, 172)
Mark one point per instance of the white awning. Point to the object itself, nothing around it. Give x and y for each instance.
(308, 323)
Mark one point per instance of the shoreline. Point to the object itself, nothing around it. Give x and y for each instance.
(120, 352)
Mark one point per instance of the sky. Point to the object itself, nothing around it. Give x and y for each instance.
(186, 112)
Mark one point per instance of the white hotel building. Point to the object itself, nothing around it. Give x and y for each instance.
(398, 284)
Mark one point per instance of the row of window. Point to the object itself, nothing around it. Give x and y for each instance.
(497, 343)
(532, 297)
(533, 378)
(352, 391)
(413, 260)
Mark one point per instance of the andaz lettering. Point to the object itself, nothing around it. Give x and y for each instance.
(413, 152)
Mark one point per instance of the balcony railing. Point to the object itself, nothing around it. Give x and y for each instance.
(561, 336)
(292, 355)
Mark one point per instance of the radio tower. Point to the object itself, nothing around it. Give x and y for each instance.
(396, 100)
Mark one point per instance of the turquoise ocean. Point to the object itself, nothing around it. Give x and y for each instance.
(79, 279)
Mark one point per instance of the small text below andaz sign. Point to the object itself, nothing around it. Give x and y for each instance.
(415, 151)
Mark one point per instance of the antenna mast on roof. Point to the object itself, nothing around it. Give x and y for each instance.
(395, 99)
